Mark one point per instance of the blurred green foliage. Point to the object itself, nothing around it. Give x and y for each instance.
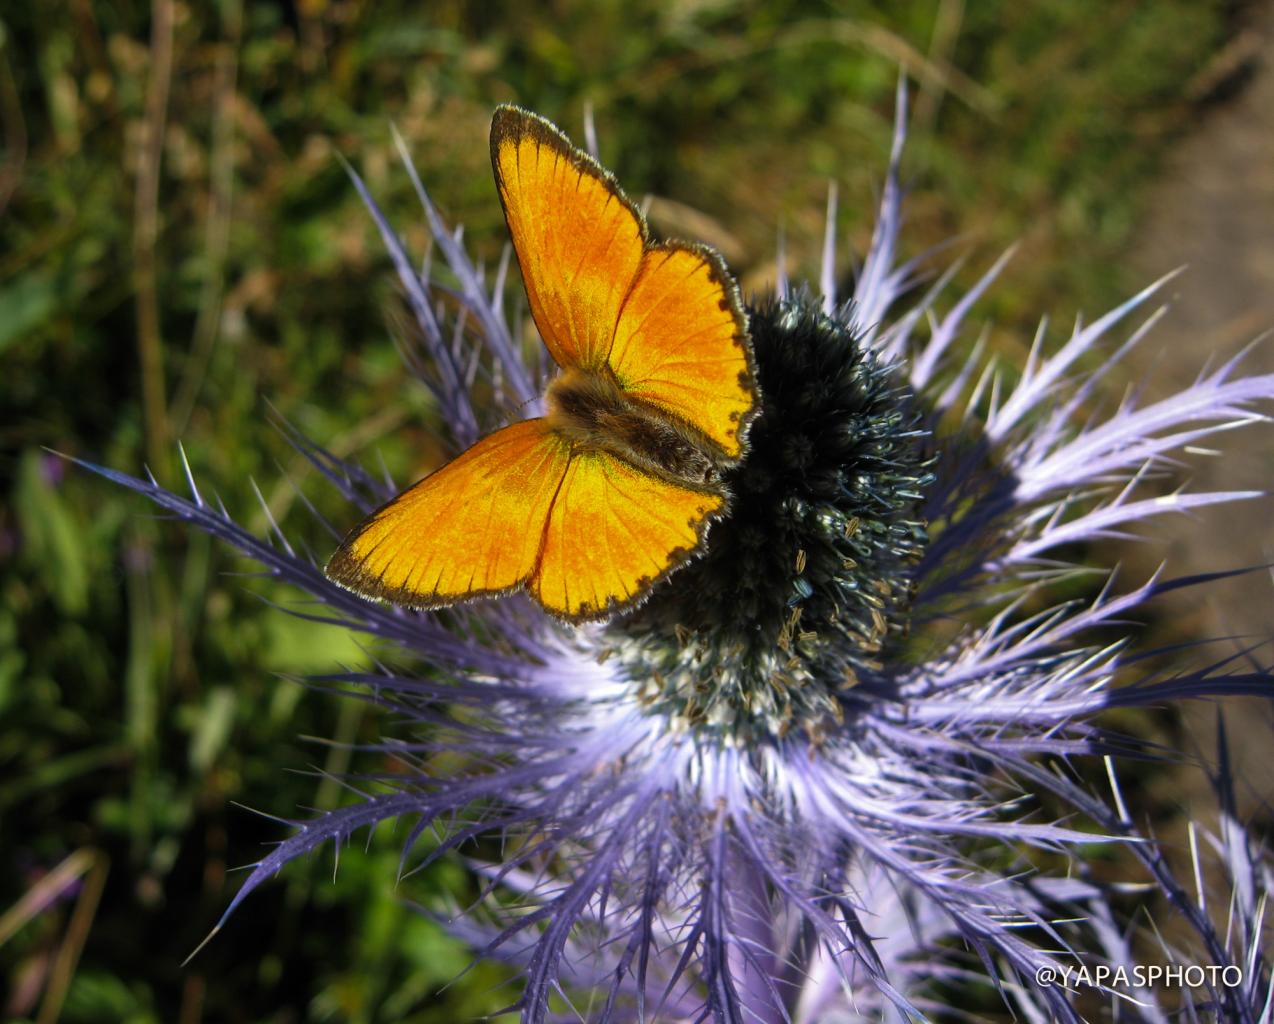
(179, 243)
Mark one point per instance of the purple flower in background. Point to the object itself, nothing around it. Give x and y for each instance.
(807, 780)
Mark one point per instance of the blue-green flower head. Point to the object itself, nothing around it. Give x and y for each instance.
(806, 585)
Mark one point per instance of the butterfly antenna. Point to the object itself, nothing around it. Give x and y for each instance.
(523, 404)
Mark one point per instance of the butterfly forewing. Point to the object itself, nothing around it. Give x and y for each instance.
(472, 528)
(578, 241)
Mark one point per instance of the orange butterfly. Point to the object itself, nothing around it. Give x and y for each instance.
(588, 507)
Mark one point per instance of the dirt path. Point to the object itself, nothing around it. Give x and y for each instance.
(1213, 211)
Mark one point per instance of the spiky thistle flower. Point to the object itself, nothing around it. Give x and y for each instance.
(804, 778)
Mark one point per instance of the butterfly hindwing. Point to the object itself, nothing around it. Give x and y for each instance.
(473, 528)
(614, 531)
(681, 344)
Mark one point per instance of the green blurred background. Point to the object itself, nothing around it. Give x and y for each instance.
(179, 245)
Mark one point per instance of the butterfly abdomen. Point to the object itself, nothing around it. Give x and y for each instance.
(592, 411)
